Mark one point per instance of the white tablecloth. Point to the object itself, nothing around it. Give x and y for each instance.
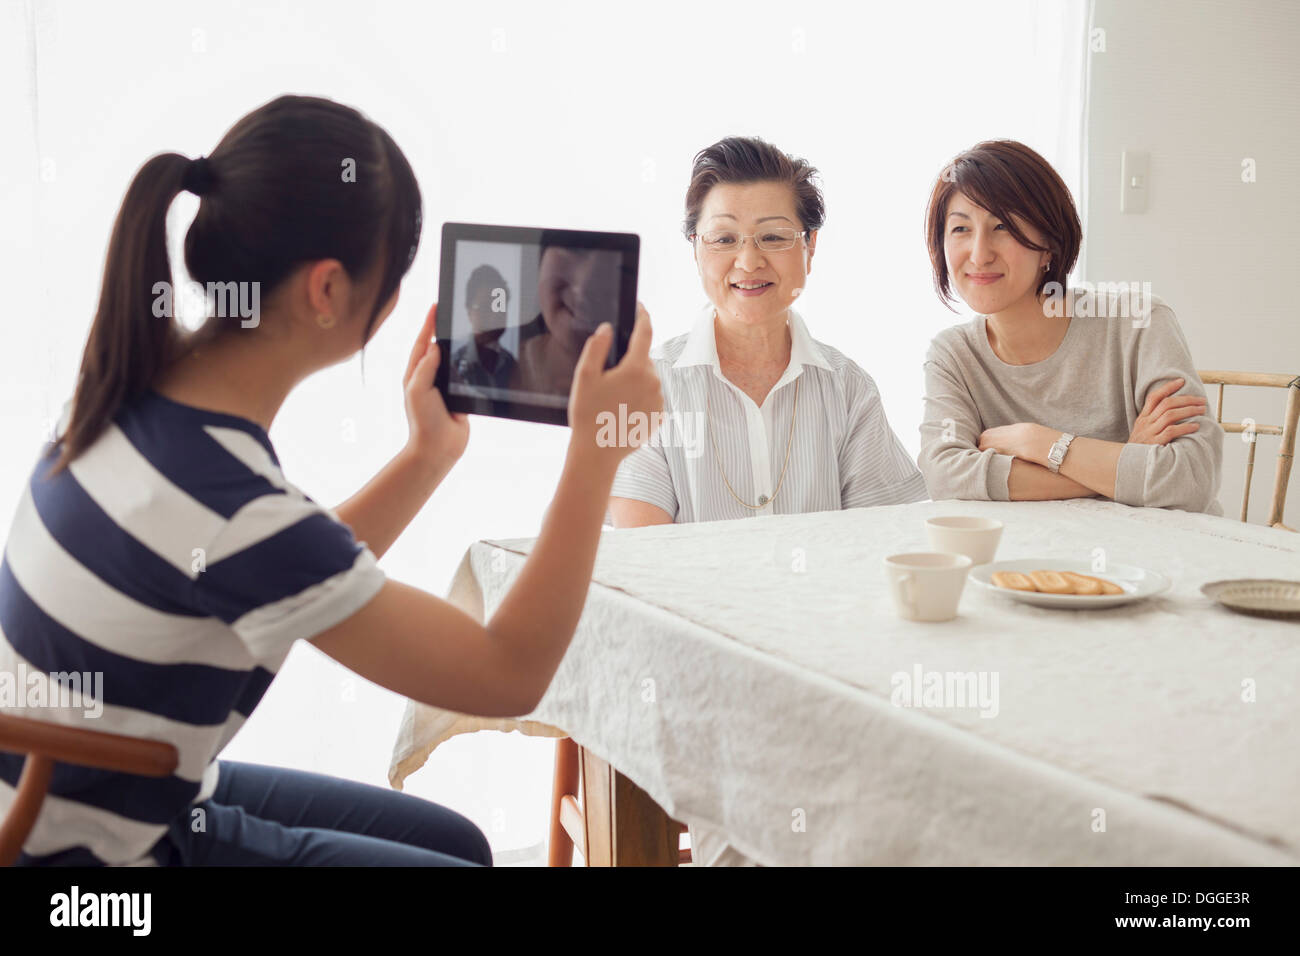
(741, 672)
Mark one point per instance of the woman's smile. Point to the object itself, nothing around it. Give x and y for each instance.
(751, 287)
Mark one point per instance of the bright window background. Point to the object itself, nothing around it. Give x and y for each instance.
(583, 115)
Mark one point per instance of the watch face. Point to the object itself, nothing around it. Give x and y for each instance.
(1056, 454)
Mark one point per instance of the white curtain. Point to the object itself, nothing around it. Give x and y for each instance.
(567, 114)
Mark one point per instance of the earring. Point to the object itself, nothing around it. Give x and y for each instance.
(325, 321)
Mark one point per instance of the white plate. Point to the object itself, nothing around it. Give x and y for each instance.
(1138, 583)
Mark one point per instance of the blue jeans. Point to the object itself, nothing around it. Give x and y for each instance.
(269, 816)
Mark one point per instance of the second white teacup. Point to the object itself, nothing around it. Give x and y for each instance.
(927, 586)
(977, 538)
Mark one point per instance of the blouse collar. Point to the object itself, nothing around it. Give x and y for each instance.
(702, 346)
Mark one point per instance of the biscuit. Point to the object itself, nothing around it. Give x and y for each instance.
(1013, 580)
(1110, 587)
(1107, 587)
(1082, 584)
(1051, 582)
(1055, 582)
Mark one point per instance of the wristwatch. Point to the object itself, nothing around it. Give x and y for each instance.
(1057, 453)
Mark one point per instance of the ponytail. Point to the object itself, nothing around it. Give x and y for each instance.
(297, 180)
(128, 344)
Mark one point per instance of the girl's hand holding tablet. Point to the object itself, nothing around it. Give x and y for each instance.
(437, 436)
(628, 390)
(421, 646)
(631, 388)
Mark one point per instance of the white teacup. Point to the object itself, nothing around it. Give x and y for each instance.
(977, 538)
(927, 586)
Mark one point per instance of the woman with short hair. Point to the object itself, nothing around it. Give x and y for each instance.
(790, 424)
(1051, 393)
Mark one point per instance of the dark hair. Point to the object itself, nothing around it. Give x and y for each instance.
(484, 277)
(1008, 179)
(298, 179)
(748, 159)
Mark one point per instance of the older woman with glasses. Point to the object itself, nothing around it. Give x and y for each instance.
(787, 424)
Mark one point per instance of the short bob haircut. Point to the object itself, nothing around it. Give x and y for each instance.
(1008, 179)
(748, 159)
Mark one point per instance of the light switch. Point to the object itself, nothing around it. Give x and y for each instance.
(1134, 185)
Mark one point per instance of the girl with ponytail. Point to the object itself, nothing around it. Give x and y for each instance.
(159, 550)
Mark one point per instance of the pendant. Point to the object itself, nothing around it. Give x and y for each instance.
(762, 500)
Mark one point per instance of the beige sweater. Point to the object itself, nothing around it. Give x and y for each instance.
(1094, 385)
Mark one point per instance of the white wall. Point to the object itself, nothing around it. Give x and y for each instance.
(1202, 86)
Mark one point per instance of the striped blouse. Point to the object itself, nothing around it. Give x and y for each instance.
(153, 589)
(842, 452)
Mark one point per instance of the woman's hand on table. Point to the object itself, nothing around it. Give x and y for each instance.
(437, 437)
(1160, 418)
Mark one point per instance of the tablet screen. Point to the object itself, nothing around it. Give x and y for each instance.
(517, 305)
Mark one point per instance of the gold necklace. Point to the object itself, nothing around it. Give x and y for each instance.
(763, 500)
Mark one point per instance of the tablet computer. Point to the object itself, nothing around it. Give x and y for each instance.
(515, 307)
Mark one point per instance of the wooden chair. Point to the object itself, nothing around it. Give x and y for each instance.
(1287, 430)
(615, 824)
(45, 744)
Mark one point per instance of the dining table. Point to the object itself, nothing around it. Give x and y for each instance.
(754, 677)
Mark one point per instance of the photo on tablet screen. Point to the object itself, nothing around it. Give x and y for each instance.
(517, 305)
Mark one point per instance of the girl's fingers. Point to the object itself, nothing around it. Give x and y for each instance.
(427, 367)
(638, 346)
(422, 341)
(594, 352)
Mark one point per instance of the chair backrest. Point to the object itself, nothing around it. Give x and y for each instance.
(1247, 426)
(44, 744)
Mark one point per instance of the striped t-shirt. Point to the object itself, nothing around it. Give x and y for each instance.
(715, 445)
(152, 589)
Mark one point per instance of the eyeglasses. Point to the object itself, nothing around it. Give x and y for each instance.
(776, 239)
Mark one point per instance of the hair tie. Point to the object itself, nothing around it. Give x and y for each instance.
(198, 177)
